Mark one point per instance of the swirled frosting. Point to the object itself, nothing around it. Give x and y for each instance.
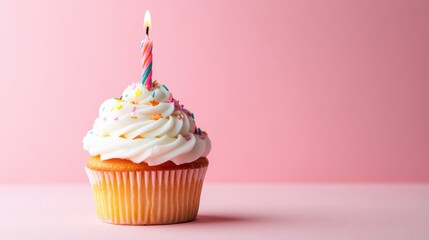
(146, 125)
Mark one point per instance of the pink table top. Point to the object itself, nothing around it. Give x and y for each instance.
(230, 211)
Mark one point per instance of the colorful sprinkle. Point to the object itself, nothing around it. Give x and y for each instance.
(156, 116)
(134, 109)
(104, 119)
(138, 92)
(177, 104)
(165, 87)
(188, 138)
(180, 116)
(103, 108)
(133, 116)
(153, 102)
(126, 95)
(199, 131)
(116, 118)
(155, 83)
(91, 132)
(192, 115)
(202, 137)
(118, 107)
(153, 94)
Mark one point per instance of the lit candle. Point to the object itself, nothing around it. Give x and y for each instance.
(146, 47)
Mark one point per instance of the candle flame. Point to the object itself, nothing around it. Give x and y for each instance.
(147, 20)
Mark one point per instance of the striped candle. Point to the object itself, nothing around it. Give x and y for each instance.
(146, 47)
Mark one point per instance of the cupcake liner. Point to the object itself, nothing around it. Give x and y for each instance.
(147, 197)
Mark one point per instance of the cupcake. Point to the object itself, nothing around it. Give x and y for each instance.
(148, 158)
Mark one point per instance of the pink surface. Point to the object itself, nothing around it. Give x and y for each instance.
(276, 211)
(287, 90)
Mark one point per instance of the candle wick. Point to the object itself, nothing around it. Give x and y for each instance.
(147, 31)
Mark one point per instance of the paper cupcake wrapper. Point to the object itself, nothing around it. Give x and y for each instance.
(147, 197)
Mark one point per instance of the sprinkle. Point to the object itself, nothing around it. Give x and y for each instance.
(119, 106)
(188, 138)
(132, 102)
(177, 105)
(104, 119)
(155, 83)
(116, 118)
(202, 137)
(205, 133)
(91, 132)
(134, 109)
(199, 131)
(153, 102)
(119, 100)
(180, 116)
(192, 115)
(138, 92)
(103, 108)
(165, 87)
(182, 106)
(156, 116)
(153, 94)
(133, 116)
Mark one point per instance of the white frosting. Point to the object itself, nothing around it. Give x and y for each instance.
(146, 126)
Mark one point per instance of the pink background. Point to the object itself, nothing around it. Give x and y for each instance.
(288, 90)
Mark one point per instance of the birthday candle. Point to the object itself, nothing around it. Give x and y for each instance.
(146, 47)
